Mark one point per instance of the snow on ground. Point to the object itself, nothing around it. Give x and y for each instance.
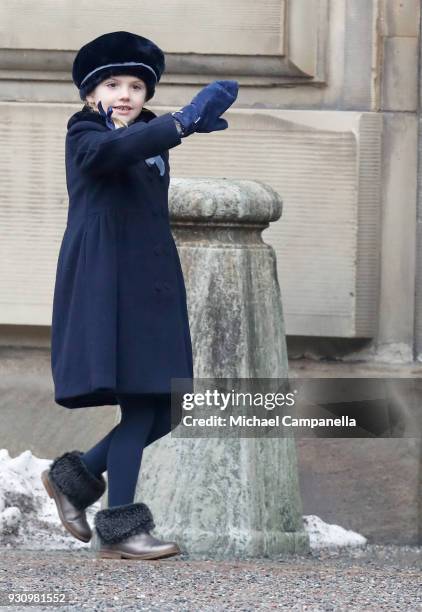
(29, 519)
(324, 535)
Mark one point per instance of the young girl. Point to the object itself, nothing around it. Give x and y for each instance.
(120, 329)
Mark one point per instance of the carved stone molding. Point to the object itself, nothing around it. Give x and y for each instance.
(291, 50)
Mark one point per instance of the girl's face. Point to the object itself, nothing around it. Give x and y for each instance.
(125, 93)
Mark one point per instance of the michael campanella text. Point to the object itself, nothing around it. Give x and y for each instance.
(254, 421)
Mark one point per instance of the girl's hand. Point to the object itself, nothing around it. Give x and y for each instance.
(202, 114)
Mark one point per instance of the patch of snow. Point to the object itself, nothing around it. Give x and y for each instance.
(10, 519)
(28, 517)
(324, 535)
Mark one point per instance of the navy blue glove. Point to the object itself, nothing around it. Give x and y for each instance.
(202, 114)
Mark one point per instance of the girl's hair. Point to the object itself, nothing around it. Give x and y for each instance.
(92, 107)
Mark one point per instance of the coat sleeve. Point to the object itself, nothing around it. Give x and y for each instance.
(99, 150)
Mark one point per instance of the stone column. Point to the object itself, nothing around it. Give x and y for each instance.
(223, 497)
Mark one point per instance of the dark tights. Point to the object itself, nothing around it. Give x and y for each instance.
(145, 418)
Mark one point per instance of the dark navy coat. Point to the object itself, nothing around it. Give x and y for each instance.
(120, 320)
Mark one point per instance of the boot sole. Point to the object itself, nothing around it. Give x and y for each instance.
(49, 487)
(115, 554)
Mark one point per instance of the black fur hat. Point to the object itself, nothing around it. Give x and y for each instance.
(118, 53)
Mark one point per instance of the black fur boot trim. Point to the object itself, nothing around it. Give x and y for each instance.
(118, 523)
(71, 476)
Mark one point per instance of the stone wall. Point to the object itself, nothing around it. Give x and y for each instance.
(326, 115)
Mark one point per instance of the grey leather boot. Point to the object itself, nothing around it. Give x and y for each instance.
(123, 532)
(73, 488)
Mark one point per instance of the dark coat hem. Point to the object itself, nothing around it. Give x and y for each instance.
(99, 397)
(103, 397)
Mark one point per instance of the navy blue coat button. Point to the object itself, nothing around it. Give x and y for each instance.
(158, 286)
(158, 250)
(166, 286)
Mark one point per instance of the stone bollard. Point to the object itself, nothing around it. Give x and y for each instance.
(225, 497)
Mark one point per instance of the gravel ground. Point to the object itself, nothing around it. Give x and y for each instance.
(371, 578)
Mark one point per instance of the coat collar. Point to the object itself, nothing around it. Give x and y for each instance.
(86, 114)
